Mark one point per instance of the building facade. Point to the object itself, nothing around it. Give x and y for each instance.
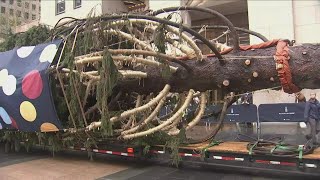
(20, 11)
(53, 11)
(18, 15)
(291, 19)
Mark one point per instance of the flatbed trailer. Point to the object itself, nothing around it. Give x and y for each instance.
(226, 155)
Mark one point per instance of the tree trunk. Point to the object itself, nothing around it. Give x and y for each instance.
(234, 75)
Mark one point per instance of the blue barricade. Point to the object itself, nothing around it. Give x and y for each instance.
(283, 112)
(242, 113)
(236, 113)
(166, 110)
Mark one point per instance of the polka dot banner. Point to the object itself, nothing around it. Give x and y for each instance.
(32, 85)
(26, 104)
(48, 127)
(48, 53)
(5, 116)
(3, 76)
(10, 85)
(24, 52)
(28, 111)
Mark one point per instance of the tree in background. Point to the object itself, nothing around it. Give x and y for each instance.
(35, 35)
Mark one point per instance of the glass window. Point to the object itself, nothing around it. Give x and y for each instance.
(11, 1)
(3, 10)
(19, 3)
(34, 7)
(4, 1)
(26, 5)
(19, 13)
(34, 17)
(76, 4)
(26, 15)
(60, 6)
(11, 12)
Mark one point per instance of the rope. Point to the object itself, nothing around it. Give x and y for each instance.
(212, 143)
(279, 149)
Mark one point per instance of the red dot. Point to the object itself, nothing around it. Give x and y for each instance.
(32, 85)
(14, 123)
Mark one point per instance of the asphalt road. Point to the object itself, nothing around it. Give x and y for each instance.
(41, 165)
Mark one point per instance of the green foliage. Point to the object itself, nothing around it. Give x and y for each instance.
(7, 25)
(161, 138)
(174, 143)
(54, 143)
(108, 79)
(60, 103)
(12, 140)
(159, 41)
(30, 139)
(35, 35)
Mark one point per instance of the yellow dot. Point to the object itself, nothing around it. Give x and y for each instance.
(28, 111)
(48, 127)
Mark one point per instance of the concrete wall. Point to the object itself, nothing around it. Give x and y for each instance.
(307, 21)
(113, 6)
(49, 17)
(272, 96)
(156, 5)
(273, 19)
(293, 19)
(48, 10)
(238, 20)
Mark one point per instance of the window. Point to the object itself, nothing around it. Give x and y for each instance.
(60, 6)
(4, 1)
(3, 10)
(19, 13)
(11, 12)
(26, 15)
(34, 7)
(19, 3)
(34, 17)
(11, 1)
(76, 4)
(26, 5)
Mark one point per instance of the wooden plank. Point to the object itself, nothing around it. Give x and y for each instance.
(314, 155)
(195, 146)
(230, 147)
(237, 147)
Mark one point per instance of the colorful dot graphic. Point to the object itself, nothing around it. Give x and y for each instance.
(24, 52)
(5, 116)
(3, 76)
(32, 85)
(14, 123)
(48, 53)
(48, 127)
(10, 85)
(28, 111)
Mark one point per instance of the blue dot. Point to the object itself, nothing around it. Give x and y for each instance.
(5, 116)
